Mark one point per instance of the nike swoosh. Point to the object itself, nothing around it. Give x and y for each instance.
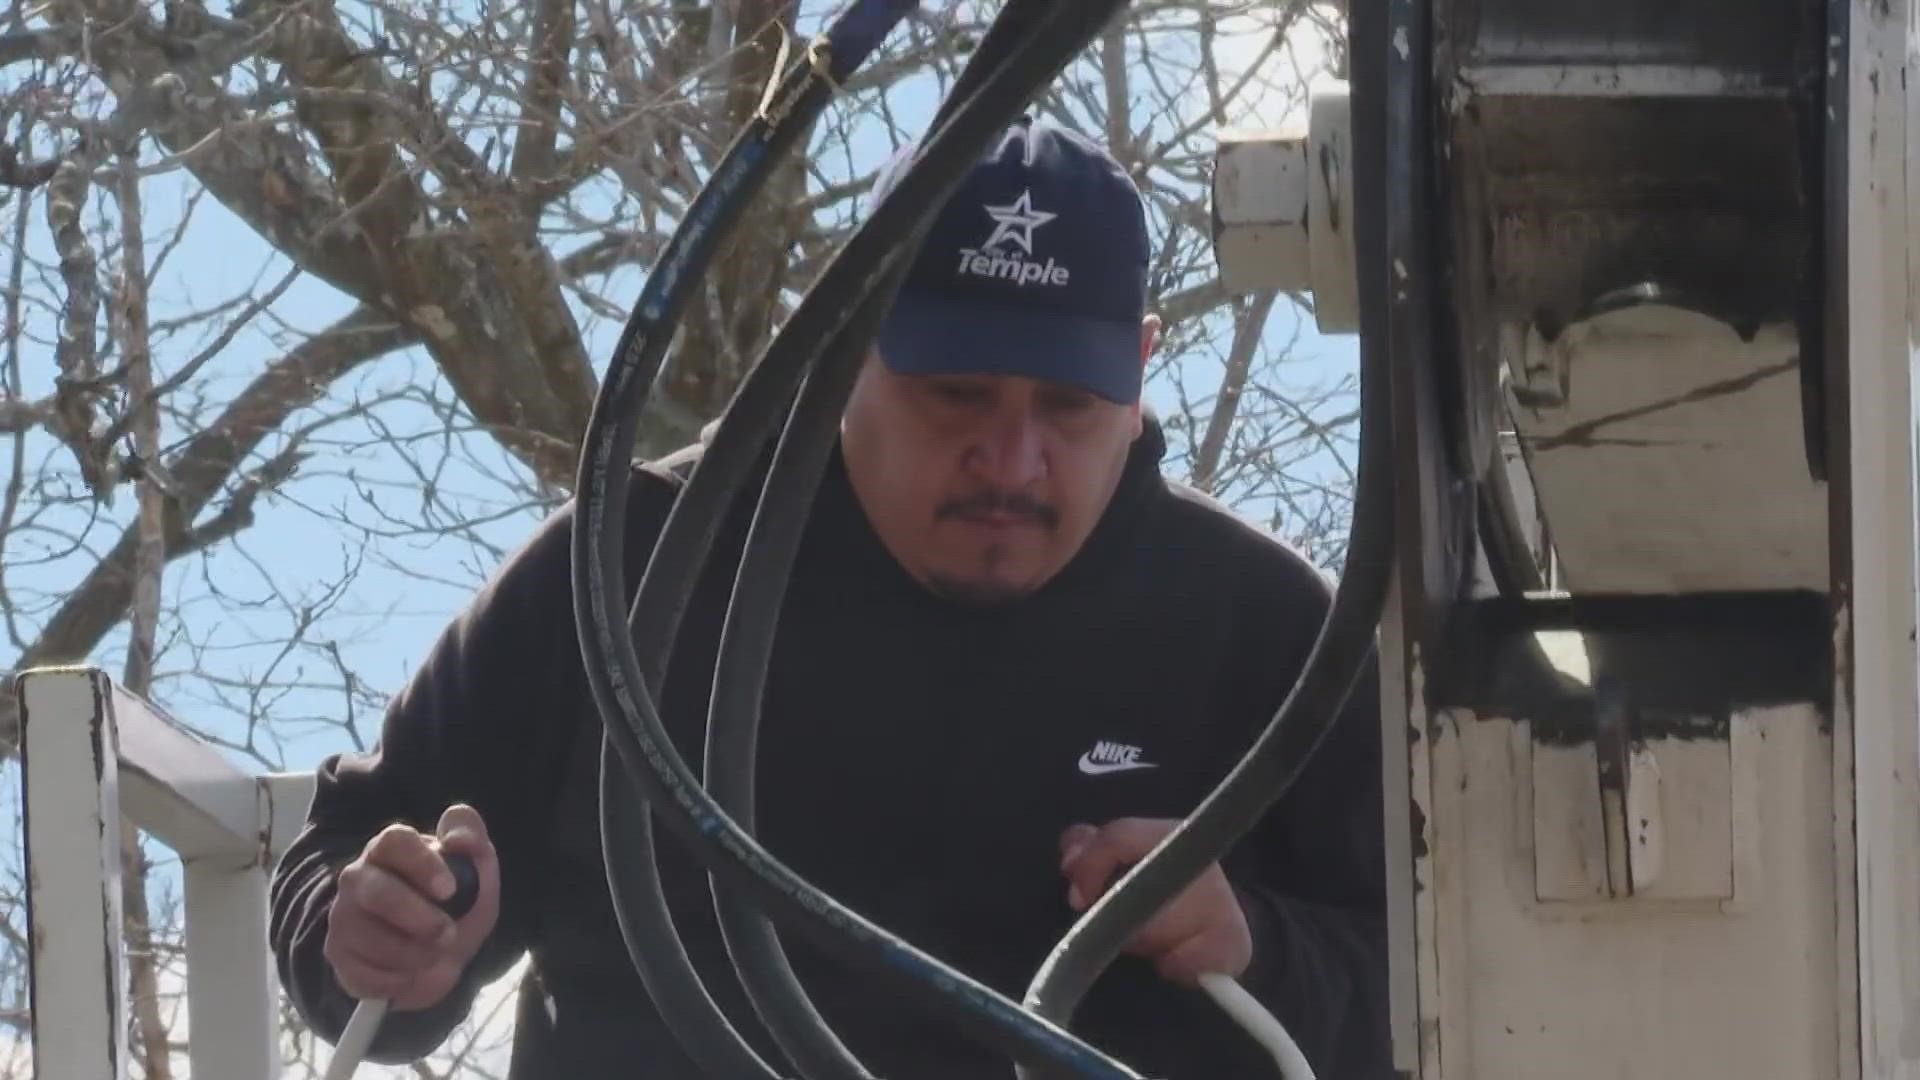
(1095, 768)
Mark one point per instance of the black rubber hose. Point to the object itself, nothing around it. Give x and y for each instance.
(645, 922)
(746, 641)
(613, 670)
(1276, 758)
(1312, 707)
(746, 645)
(657, 953)
(682, 549)
(1503, 535)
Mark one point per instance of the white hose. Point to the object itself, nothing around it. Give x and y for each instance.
(1247, 1011)
(356, 1040)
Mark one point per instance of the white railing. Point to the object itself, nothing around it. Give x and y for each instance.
(91, 752)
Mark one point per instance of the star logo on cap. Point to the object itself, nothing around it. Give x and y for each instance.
(1016, 222)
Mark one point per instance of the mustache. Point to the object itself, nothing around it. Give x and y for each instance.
(999, 502)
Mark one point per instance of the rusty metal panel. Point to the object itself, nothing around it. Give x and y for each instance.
(1753, 35)
(1659, 154)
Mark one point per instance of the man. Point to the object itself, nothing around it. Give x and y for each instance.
(1010, 658)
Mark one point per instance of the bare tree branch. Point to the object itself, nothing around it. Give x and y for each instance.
(749, 273)
(15, 173)
(1248, 326)
(17, 416)
(199, 471)
(130, 312)
(77, 395)
(11, 396)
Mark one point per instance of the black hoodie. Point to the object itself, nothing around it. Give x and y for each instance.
(918, 760)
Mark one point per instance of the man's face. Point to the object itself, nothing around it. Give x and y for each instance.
(984, 486)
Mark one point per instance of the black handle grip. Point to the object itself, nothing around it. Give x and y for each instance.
(466, 885)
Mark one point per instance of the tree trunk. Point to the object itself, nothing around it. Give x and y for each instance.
(130, 310)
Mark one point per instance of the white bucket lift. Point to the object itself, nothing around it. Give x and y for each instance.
(1662, 822)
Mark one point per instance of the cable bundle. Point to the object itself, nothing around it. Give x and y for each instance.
(797, 391)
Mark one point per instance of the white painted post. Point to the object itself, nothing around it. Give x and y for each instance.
(91, 752)
(284, 799)
(69, 776)
(1878, 698)
(232, 992)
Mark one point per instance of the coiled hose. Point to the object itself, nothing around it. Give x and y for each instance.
(1383, 141)
(1022, 62)
(740, 443)
(817, 355)
(1339, 655)
(640, 907)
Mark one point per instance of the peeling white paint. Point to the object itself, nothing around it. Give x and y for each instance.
(181, 793)
(1677, 981)
(1647, 469)
(71, 810)
(1884, 709)
(1770, 930)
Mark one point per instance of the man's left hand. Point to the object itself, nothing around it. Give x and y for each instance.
(1200, 930)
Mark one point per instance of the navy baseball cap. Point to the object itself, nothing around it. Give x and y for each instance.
(1036, 266)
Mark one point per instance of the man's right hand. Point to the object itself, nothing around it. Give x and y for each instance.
(386, 935)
